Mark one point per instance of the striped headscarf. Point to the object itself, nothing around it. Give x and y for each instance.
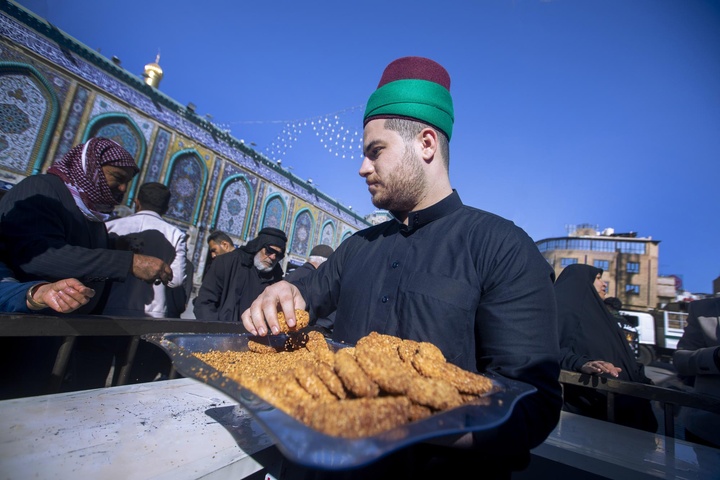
(81, 170)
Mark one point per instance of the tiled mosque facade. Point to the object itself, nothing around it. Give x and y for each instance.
(56, 93)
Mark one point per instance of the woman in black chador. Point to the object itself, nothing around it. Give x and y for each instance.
(592, 342)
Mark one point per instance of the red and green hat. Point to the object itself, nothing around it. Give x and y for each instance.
(416, 88)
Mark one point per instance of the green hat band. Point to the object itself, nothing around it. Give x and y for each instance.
(422, 100)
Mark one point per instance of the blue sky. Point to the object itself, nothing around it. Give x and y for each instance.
(604, 112)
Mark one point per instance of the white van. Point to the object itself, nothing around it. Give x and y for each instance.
(658, 332)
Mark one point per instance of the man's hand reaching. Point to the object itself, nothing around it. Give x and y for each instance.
(151, 269)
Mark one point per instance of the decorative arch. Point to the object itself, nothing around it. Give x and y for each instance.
(233, 207)
(29, 110)
(123, 130)
(275, 212)
(302, 233)
(187, 179)
(327, 233)
(347, 234)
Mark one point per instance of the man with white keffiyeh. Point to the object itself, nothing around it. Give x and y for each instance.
(52, 225)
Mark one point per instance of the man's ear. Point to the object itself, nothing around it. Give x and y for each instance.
(429, 143)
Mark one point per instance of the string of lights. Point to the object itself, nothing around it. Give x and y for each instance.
(329, 130)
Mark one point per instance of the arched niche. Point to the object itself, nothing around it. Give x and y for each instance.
(327, 233)
(275, 212)
(233, 208)
(186, 178)
(28, 116)
(301, 237)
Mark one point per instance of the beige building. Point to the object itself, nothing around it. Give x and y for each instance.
(667, 290)
(629, 262)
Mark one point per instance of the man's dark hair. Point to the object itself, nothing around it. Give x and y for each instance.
(219, 236)
(154, 196)
(409, 129)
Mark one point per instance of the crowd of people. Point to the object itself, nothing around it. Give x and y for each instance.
(440, 271)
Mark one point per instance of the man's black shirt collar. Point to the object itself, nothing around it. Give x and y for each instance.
(420, 218)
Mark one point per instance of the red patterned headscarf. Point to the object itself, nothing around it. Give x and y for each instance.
(81, 170)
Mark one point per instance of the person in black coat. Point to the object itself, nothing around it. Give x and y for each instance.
(236, 278)
(52, 225)
(52, 228)
(468, 281)
(592, 342)
(697, 360)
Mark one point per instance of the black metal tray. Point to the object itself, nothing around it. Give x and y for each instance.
(306, 446)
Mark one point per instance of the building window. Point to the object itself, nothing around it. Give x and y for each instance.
(564, 262)
(595, 245)
(604, 264)
(631, 289)
(631, 247)
(633, 267)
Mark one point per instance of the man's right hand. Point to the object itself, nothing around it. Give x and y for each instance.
(63, 296)
(261, 317)
(599, 366)
(151, 269)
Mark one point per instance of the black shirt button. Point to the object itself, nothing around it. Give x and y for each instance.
(385, 299)
(395, 264)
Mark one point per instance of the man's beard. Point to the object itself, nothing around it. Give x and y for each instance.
(260, 265)
(403, 186)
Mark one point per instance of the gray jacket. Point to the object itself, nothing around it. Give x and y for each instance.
(697, 356)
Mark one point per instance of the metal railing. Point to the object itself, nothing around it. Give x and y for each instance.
(69, 327)
(670, 399)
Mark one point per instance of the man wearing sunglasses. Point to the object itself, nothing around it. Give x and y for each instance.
(236, 278)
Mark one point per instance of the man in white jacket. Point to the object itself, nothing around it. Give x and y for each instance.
(148, 233)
